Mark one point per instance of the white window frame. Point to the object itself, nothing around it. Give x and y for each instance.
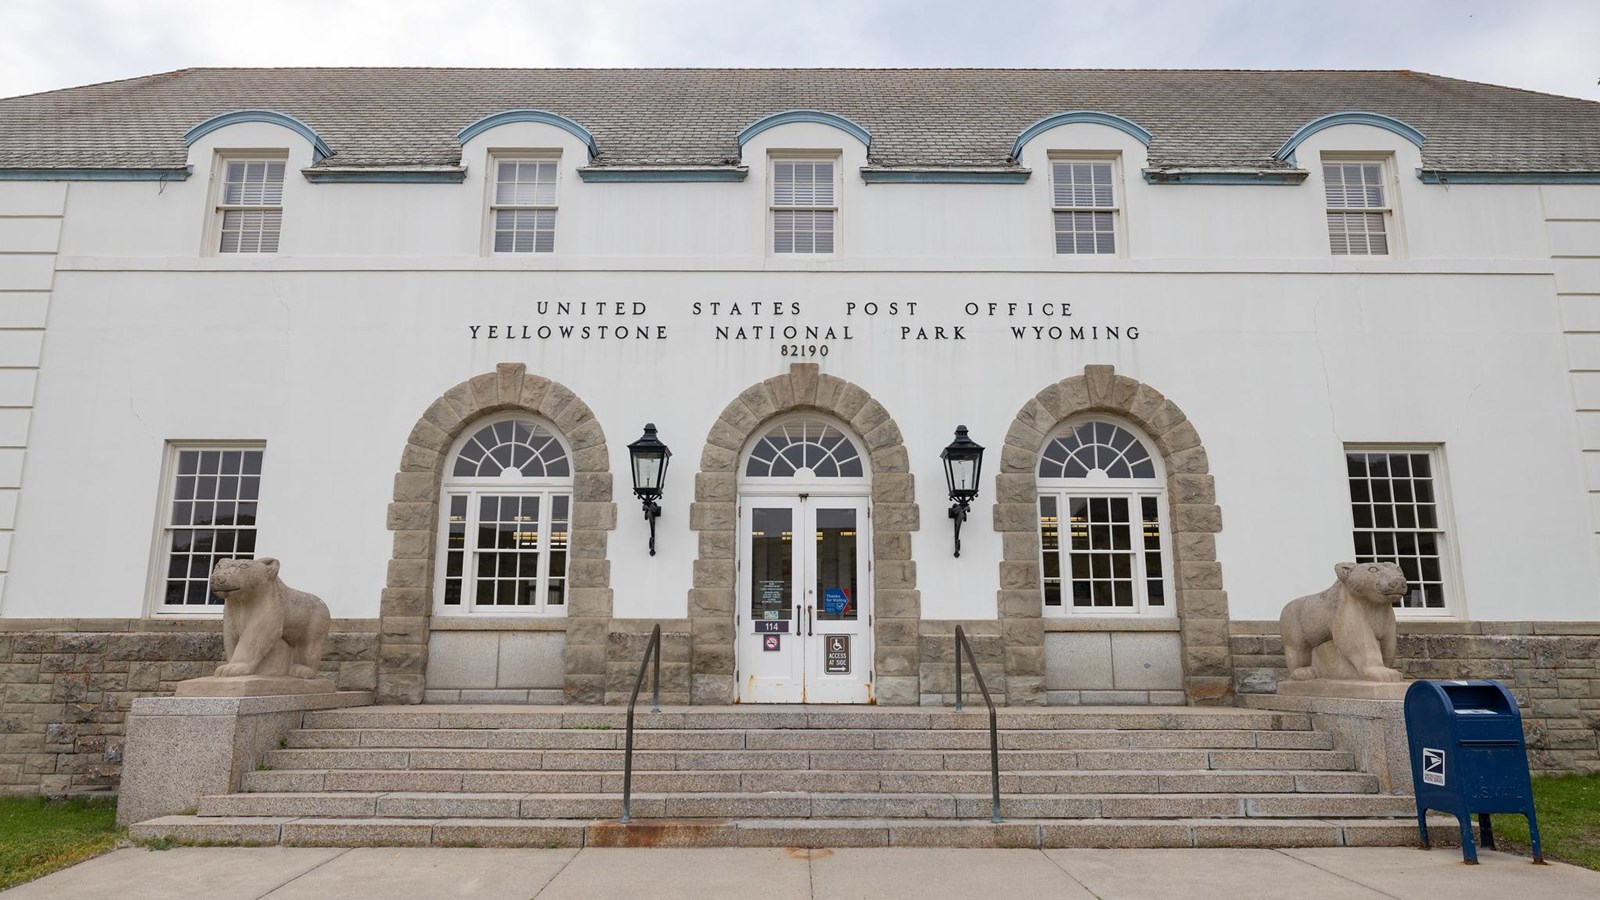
(1389, 210)
(474, 488)
(1449, 566)
(161, 543)
(1115, 208)
(220, 208)
(776, 209)
(1102, 486)
(493, 207)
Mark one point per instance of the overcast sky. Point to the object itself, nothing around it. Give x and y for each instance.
(1544, 45)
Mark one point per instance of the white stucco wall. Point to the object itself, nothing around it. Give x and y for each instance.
(330, 350)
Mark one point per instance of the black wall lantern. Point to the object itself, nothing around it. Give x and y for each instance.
(649, 457)
(963, 462)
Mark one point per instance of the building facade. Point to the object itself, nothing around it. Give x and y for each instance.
(1217, 332)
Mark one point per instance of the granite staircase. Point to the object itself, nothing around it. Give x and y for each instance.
(801, 776)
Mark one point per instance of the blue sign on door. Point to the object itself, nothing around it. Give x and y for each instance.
(835, 601)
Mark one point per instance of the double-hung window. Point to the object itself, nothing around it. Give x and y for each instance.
(522, 208)
(1397, 505)
(804, 205)
(1359, 211)
(1084, 204)
(1102, 541)
(507, 509)
(249, 210)
(209, 497)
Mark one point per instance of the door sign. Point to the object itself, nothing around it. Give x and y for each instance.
(837, 655)
(771, 642)
(835, 601)
(780, 626)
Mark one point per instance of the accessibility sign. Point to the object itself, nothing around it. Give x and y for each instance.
(836, 654)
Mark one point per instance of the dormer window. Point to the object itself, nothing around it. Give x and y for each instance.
(1084, 203)
(804, 205)
(522, 207)
(1358, 207)
(249, 211)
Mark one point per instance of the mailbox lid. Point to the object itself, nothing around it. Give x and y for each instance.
(1479, 698)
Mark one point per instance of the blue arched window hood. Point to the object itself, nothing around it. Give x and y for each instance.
(319, 148)
(1070, 117)
(1376, 120)
(530, 115)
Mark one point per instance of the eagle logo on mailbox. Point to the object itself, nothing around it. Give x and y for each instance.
(1432, 766)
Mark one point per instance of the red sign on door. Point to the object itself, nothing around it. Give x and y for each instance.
(771, 641)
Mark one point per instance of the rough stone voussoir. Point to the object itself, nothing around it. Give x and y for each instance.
(429, 436)
(533, 391)
(781, 390)
(1180, 437)
(758, 401)
(883, 436)
(485, 391)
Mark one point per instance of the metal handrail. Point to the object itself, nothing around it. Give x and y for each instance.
(653, 649)
(994, 731)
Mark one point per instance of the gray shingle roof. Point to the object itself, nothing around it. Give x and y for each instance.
(917, 117)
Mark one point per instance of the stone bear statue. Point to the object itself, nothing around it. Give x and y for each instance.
(268, 628)
(1346, 632)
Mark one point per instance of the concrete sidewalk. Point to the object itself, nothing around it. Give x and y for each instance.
(398, 873)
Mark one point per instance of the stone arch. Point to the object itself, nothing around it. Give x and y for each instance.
(1200, 600)
(407, 604)
(714, 515)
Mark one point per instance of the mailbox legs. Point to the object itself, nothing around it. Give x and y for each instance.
(1469, 850)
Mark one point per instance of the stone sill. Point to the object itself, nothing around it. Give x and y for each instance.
(497, 623)
(1446, 626)
(1113, 623)
(196, 624)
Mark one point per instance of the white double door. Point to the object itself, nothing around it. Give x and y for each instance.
(805, 607)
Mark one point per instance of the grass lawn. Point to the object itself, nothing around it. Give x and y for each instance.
(38, 836)
(1569, 820)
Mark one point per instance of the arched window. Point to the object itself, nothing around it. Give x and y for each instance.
(804, 447)
(1101, 503)
(507, 502)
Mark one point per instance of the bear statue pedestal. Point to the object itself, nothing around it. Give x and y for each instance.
(180, 749)
(1371, 727)
(252, 686)
(1350, 690)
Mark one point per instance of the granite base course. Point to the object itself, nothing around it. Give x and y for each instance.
(67, 685)
(1552, 668)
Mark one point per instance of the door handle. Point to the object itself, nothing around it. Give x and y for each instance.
(810, 612)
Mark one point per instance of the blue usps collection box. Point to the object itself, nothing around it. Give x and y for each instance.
(1468, 756)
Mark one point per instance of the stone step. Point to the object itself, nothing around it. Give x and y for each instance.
(835, 781)
(802, 739)
(430, 805)
(977, 832)
(876, 760)
(804, 717)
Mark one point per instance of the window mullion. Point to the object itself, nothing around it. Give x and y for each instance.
(469, 562)
(541, 587)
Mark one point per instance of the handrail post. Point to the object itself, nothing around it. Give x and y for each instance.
(959, 638)
(655, 697)
(994, 727)
(653, 647)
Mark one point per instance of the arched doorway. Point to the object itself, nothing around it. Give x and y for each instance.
(804, 563)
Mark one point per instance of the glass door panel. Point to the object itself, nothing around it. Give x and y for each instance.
(769, 633)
